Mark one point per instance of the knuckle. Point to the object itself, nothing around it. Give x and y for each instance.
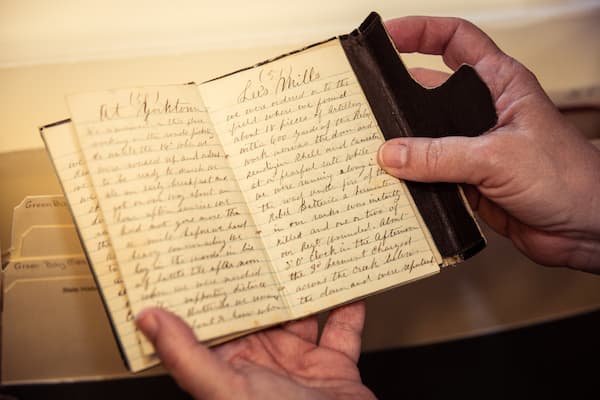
(433, 155)
(491, 157)
(494, 155)
(465, 24)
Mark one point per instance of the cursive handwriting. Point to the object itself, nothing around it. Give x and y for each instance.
(303, 152)
(144, 104)
(73, 173)
(180, 227)
(274, 82)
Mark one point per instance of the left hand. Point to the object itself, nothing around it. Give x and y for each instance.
(533, 177)
(285, 362)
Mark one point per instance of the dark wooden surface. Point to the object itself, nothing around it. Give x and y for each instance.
(553, 360)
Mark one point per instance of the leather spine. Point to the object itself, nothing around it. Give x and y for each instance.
(462, 106)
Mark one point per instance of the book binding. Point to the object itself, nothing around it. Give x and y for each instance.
(462, 106)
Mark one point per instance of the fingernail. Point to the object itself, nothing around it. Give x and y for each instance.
(394, 155)
(147, 323)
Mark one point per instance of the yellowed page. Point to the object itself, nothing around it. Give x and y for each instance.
(68, 161)
(179, 226)
(302, 141)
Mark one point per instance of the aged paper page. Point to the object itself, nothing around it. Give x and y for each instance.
(302, 142)
(64, 150)
(179, 226)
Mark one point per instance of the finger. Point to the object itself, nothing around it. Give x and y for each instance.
(306, 329)
(195, 368)
(449, 159)
(343, 329)
(428, 77)
(456, 40)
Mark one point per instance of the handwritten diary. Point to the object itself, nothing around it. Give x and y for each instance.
(255, 198)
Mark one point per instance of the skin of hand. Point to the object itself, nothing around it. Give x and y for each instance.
(288, 362)
(533, 177)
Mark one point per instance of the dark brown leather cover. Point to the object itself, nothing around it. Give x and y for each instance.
(462, 106)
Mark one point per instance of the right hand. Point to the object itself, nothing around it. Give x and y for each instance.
(533, 177)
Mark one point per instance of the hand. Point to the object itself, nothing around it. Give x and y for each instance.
(533, 177)
(280, 363)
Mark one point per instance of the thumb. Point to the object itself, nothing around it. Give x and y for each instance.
(450, 159)
(195, 368)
